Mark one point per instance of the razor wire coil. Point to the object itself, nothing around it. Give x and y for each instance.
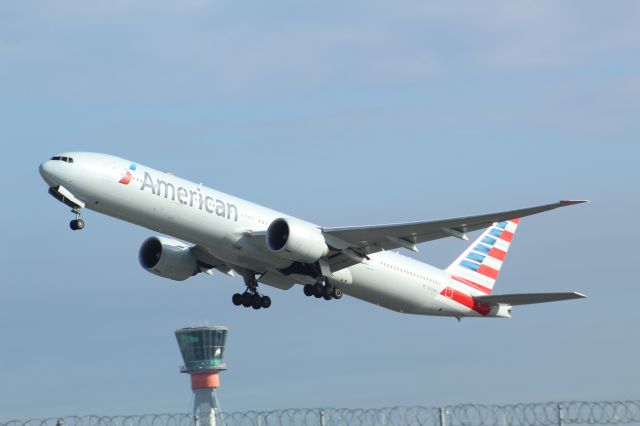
(525, 414)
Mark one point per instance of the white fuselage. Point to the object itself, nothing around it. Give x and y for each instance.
(192, 212)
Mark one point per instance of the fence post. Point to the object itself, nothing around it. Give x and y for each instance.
(560, 415)
(443, 416)
(383, 418)
(323, 418)
(504, 418)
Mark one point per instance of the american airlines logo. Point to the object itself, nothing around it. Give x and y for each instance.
(127, 176)
(189, 197)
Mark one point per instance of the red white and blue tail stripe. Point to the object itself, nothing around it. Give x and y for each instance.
(479, 265)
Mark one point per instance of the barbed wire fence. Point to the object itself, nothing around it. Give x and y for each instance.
(528, 414)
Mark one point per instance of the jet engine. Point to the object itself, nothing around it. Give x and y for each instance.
(168, 258)
(296, 241)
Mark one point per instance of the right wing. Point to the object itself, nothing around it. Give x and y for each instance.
(353, 244)
(527, 298)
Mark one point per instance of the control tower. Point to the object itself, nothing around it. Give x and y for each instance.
(202, 349)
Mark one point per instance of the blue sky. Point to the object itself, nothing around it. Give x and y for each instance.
(343, 114)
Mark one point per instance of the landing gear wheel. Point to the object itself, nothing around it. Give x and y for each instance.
(77, 223)
(255, 299)
(318, 291)
(327, 292)
(308, 290)
(265, 302)
(246, 299)
(237, 299)
(337, 293)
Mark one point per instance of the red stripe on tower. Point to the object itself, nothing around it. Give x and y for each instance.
(497, 254)
(487, 272)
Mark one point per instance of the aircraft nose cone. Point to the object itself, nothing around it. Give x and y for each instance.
(46, 171)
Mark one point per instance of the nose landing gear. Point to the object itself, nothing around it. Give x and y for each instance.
(77, 224)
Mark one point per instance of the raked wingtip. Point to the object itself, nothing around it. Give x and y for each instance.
(571, 202)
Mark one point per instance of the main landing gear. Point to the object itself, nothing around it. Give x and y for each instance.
(322, 289)
(77, 224)
(251, 297)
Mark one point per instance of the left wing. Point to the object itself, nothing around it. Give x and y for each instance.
(207, 261)
(353, 244)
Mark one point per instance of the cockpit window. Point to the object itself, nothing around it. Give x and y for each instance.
(65, 159)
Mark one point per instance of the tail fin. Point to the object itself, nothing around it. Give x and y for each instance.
(478, 266)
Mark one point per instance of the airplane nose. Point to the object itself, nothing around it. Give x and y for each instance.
(46, 171)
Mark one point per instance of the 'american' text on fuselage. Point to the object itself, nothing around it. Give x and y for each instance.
(189, 197)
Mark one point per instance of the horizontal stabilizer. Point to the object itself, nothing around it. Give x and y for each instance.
(527, 298)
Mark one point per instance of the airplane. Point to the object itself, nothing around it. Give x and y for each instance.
(231, 235)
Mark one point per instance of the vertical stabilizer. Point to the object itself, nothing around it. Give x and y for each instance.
(479, 265)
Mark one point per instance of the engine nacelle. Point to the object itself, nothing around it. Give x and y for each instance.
(297, 241)
(168, 258)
